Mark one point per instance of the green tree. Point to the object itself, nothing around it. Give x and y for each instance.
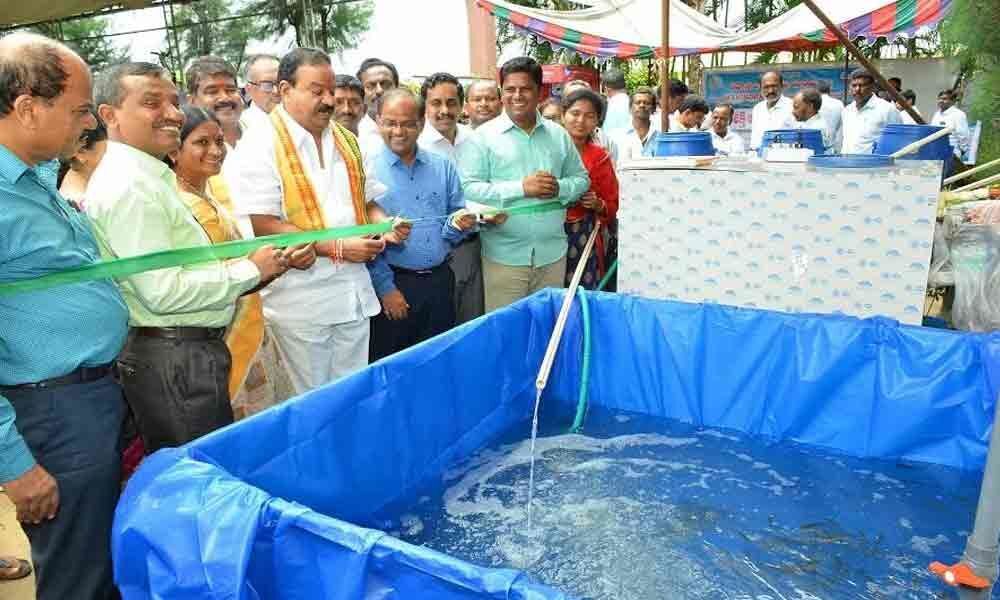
(199, 32)
(84, 36)
(337, 24)
(970, 34)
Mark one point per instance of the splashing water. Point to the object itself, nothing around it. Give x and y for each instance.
(659, 509)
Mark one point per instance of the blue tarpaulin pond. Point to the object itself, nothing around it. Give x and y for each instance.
(288, 503)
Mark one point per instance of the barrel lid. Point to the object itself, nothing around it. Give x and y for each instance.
(851, 161)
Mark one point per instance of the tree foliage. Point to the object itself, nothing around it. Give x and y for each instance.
(83, 35)
(200, 32)
(338, 25)
(970, 34)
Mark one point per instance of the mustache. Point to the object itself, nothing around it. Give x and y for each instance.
(225, 104)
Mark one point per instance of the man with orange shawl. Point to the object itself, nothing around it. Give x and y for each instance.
(303, 173)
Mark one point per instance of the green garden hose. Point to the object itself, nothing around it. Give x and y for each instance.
(581, 404)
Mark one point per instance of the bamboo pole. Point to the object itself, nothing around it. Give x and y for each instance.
(665, 67)
(971, 172)
(849, 45)
(978, 184)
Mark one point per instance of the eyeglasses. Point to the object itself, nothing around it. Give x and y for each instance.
(265, 86)
(405, 125)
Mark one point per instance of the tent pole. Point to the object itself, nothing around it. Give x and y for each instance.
(852, 49)
(665, 68)
(847, 71)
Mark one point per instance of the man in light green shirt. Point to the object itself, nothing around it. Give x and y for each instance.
(175, 365)
(516, 159)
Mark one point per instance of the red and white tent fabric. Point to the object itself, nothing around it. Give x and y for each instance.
(800, 29)
(631, 28)
(615, 28)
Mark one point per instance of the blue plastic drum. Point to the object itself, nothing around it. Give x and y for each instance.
(895, 136)
(684, 143)
(799, 138)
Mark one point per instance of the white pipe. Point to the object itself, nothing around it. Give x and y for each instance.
(978, 184)
(917, 145)
(972, 171)
(550, 352)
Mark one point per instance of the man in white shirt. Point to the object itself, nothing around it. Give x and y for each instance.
(832, 111)
(726, 141)
(773, 112)
(211, 83)
(482, 102)
(678, 91)
(616, 117)
(949, 115)
(377, 77)
(319, 316)
(443, 97)
(910, 97)
(639, 139)
(261, 87)
(867, 116)
(806, 106)
(690, 114)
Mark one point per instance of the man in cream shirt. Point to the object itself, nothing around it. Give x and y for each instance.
(773, 112)
(867, 116)
(806, 106)
(319, 316)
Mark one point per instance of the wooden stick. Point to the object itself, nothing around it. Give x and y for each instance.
(917, 145)
(978, 184)
(665, 67)
(557, 331)
(864, 61)
(972, 171)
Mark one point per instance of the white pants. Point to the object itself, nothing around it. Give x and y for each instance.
(319, 354)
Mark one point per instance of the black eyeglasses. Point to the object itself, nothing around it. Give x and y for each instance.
(265, 86)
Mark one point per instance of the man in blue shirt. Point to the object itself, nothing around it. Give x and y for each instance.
(60, 409)
(413, 280)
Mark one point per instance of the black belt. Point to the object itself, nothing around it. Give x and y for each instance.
(470, 238)
(422, 272)
(182, 333)
(79, 375)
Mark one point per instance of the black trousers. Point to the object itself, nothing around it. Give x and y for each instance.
(178, 390)
(73, 432)
(432, 311)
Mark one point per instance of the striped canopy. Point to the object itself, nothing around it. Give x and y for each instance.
(799, 29)
(631, 28)
(615, 28)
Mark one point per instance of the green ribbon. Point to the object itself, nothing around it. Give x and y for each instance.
(125, 267)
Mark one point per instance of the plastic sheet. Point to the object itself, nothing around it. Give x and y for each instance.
(287, 503)
(975, 257)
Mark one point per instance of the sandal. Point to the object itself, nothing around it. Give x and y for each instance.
(13, 568)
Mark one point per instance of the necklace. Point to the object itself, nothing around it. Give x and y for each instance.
(190, 186)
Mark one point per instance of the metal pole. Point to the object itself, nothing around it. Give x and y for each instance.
(665, 68)
(864, 61)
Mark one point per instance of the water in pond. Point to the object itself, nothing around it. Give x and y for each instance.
(643, 508)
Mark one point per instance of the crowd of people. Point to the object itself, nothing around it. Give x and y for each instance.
(130, 164)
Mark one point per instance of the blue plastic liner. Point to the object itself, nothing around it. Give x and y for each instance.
(850, 161)
(284, 504)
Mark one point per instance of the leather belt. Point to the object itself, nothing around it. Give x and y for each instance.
(429, 271)
(182, 333)
(78, 375)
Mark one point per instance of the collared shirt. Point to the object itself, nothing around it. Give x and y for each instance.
(431, 140)
(731, 144)
(430, 187)
(630, 145)
(618, 117)
(493, 166)
(906, 119)
(253, 116)
(367, 126)
(328, 293)
(765, 118)
(47, 333)
(862, 126)
(132, 198)
(817, 122)
(956, 119)
(832, 110)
